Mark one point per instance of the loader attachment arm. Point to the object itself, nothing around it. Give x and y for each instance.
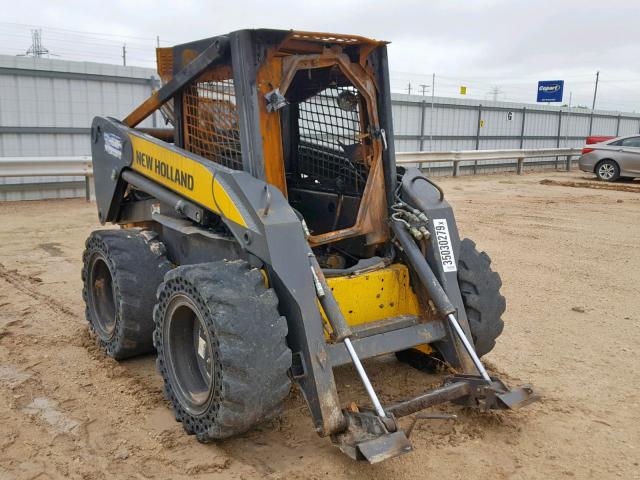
(255, 213)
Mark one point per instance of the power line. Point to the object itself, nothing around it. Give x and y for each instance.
(95, 57)
(527, 95)
(140, 50)
(75, 44)
(102, 34)
(54, 38)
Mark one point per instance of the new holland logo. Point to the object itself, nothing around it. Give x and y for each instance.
(549, 88)
(165, 170)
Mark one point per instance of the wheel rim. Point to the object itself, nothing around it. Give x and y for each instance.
(606, 171)
(189, 354)
(102, 297)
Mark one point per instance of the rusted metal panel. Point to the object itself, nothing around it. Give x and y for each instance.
(269, 74)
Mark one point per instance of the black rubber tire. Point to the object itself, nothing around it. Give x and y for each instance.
(613, 167)
(248, 380)
(132, 262)
(484, 305)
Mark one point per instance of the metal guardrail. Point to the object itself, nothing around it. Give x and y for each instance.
(46, 166)
(458, 156)
(81, 166)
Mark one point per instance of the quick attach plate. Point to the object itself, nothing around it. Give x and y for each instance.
(368, 438)
(493, 396)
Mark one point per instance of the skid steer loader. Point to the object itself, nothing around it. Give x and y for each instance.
(267, 237)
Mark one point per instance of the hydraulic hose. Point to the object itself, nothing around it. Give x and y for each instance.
(423, 270)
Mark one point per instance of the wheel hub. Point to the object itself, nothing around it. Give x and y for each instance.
(189, 354)
(102, 297)
(606, 171)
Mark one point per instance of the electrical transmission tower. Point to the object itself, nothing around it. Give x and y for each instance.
(495, 91)
(36, 49)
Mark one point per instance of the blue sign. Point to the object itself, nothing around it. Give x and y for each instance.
(550, 90)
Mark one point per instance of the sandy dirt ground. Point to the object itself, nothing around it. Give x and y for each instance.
(570, 263)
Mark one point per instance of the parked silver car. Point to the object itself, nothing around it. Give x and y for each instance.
(612, 159)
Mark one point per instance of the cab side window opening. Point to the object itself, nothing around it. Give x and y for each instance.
(326, 148)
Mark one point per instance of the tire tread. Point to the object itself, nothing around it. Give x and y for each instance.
(138, 262)
(250, 336)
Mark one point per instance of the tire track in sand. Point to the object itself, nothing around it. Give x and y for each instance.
(28, 285)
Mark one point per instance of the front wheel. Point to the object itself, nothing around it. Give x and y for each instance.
(221, 348)
(608, 171)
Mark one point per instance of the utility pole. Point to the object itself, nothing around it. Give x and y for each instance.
(595, 91)
(158, 41)
(124, 54)
(433, 91)
(424, 89)
(566, 129)
(409, 88)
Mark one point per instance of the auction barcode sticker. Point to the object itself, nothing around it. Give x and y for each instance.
(441, 230)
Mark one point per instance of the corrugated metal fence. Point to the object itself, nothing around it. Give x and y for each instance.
(46, 109)
(460, 124)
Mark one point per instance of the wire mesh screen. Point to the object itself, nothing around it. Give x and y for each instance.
(329, 139)
(211, 122)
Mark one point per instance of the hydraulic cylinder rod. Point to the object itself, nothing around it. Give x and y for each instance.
(435, 291)
(365, 379)
(422, 269)
(468, 347)
(341, 330)
(328, 301)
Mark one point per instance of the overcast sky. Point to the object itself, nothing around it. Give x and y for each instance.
(494, 47)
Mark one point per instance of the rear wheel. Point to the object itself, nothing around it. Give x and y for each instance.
(221, 348)
(608, 171)
(484, 306)
(121, 272)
